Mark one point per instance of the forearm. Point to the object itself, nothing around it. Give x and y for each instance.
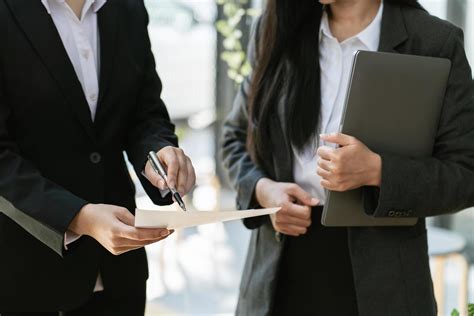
(243, 173)
(421, 187)
(443, 183)
(39, 206)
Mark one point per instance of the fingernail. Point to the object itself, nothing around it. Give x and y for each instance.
(314, 201)
(322, 135)
(165, 233)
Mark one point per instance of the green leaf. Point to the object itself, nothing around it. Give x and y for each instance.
(254, 12)
(230, 8)
(237, 34)
(470, 310)
(239, 79)
(223, 28)
(455, 312)
(229, 27)
(233, 59)
(246, 68)
(236, 18)
(229, 43)
(232, 74)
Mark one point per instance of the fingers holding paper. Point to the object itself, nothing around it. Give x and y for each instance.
(113, 227)
(350, 166)
(284, 222)
(294, 217)
(179, 168)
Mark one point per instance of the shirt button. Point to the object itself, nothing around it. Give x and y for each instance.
(95, 157)
(93, 97)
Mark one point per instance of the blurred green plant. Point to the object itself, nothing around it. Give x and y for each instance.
(470, 311)
(234, 55)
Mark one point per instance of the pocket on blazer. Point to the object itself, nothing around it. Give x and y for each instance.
(249, 263)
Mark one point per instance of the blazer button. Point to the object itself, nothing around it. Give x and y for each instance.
(95, 157)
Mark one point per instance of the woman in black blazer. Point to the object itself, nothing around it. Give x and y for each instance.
(62, 169)
(276, 157)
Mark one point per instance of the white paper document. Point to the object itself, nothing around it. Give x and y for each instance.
(181, 219)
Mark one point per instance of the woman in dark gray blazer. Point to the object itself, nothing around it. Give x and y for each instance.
(278, 150)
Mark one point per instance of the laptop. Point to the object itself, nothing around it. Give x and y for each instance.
(393, 105)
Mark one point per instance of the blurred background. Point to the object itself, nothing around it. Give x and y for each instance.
(198, 46)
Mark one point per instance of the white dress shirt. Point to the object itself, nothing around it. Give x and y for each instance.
(335, 61)
(80, 38)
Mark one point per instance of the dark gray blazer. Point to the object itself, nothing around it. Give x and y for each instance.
(390, 265)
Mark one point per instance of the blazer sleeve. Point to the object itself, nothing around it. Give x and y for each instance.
(38, 205)
(242, 171)
(443, 183)
(151, 127)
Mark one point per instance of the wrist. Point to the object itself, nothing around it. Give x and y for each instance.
(376, 168)
(260, 189)
(80, 225)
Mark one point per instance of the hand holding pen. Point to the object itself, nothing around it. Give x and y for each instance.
(179, 175)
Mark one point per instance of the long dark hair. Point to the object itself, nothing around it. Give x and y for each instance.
(288, 60)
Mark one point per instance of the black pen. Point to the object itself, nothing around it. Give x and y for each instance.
(158, 167)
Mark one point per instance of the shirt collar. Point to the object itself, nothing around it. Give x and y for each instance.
(95, 4)
(324, 29)
(370, 36)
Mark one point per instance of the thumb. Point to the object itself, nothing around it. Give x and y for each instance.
(302, 196)
(338, 138)
(154, 178)
(126, 217)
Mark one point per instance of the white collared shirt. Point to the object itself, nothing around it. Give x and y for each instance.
(335, 61)
(80, 38)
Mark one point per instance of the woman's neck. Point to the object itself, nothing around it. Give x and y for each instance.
(76, 6)
(349, 17)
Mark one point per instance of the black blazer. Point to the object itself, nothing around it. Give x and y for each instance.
(54, 159)
(390, 264)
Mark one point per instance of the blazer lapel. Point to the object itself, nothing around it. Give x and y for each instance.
(107, 21)
(45, 39)
(393, 31)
